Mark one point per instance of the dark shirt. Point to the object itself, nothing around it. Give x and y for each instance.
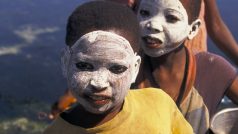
(214, 75)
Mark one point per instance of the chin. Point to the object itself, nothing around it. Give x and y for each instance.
(95, 110)
(156, 53)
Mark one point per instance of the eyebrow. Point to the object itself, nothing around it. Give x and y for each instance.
(83, 58)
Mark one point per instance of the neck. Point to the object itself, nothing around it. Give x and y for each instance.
(80, 117)
(174, 59)
(168, 71)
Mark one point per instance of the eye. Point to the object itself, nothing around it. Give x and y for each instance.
(117, 69)
(84, 66)
(172, 18)
(144, 13)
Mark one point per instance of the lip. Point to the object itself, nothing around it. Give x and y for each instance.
(152, 42)
(98, 100)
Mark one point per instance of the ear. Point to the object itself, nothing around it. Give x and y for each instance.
(65, 57)
(135, 68)
(194, 29)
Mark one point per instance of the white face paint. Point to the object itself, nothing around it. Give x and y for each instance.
(100, 70)
(164, 25)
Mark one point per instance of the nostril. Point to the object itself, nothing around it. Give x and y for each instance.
(97, 88)
(157, 30)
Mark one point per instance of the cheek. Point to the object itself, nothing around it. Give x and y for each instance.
(143, 28)
(120, 91)
(79, 81)
(142, 21)
(178, 33)
(122, 84)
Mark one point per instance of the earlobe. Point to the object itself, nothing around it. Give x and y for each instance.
(136, 68)
(194, 29)
(65, 56)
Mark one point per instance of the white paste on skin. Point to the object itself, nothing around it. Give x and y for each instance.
(102, 50)
(157, 25)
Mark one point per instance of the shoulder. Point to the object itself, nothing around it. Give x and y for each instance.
(211, 58)
(214, 75)
(206, 60)
(206, 56)
(60, 126)
(153, 92)
(154, 95)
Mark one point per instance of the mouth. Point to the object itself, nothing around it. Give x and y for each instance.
(152, 42)
(98, 99)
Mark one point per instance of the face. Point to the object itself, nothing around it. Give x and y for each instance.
(164, 25)
(100, 70)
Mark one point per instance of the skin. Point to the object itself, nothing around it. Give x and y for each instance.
(219, 32)
(232, 91)
(99, 80)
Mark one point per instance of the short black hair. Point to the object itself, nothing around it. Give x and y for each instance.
(106, 16)
(193, 8)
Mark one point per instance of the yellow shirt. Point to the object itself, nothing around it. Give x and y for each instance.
(145, 111)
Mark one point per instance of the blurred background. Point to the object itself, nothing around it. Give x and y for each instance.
(32, 34)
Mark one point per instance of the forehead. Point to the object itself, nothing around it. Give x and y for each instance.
(104, 47)
(103, 52)
(99, 39)
(174, 4)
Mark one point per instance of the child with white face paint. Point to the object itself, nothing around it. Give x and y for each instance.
(197, 83)
(164, 26)
(100, 66)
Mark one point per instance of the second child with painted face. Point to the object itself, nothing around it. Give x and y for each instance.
(196, 83)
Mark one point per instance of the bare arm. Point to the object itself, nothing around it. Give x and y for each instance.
(232, 92)
(219, 32)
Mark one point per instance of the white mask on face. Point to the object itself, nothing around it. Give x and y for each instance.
(164, 25)
(100, 68)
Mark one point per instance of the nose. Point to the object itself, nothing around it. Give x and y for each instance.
(154, 26)
(99, 83)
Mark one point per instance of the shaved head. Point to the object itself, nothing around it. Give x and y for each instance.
(106, 16)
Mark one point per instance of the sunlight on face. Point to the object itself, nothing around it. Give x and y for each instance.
(100, 71)
(164, 25)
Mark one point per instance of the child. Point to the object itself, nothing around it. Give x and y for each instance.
(100, 65)
(210, 19)
(196, 83)
(211, 23)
